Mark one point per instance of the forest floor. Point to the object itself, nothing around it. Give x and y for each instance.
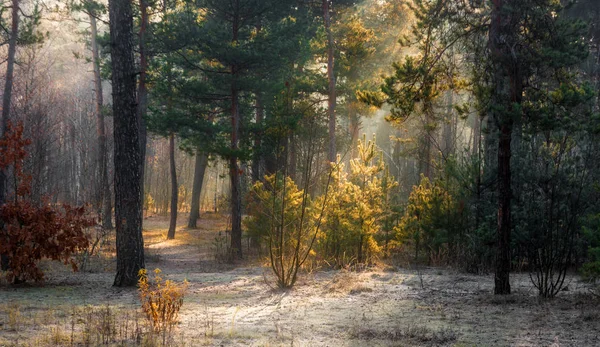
(234, 306)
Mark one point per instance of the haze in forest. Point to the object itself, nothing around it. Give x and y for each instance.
(387, 150)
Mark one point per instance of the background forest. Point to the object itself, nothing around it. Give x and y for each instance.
(382, 157)
(332, 133)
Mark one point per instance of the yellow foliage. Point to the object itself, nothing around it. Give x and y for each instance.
(357, 208)
(161, 299)
(426, 221)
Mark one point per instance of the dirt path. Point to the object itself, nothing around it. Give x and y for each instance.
(228, 306)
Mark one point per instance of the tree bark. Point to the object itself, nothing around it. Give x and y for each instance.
(293, 164)
(142, 96)
(127, 158)
(258, 154)
(257, 159)
(508, 92)
(6, 104)
(449, 133)
(501, 278)
(104, 195)
(354, 128)
(199, 171)
(234, 171)
(476, 149)
(174, 188)
(331, 153)
(428, 133)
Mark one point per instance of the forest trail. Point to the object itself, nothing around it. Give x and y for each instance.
(236, 306)
(191, 250)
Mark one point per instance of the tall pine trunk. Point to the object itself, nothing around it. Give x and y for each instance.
(142, 96)
(293, 162)
(128, 157)
(258, 154)
(234, 174)
(174, 188)
(104, 195)
(199, 171)
(234, 171)
(449, 127)
(6, 101)
(331, 152)
(257, 158)
(508, 92)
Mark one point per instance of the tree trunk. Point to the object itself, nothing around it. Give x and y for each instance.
(258, 154)
(293, 164)
(428, 132)
(6, 101)
(354, 128)
(8, 84)
(501, 278)
(476, 149)
(234, 171)
(331, 153)
(174, 188)
(104, 195)
(257, 159)
(508, 90)
(142, 96)
(449, 133)
(127, 158)
(199, 171)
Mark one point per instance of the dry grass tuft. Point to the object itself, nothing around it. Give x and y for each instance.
(346, 282)
(421, 335)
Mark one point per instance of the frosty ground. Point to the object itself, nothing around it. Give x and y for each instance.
(236, 305)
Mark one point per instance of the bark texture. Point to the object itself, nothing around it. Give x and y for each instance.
(199, 171)
(174, 188)
(142, 97)
(234, 174)
(234, 170)
(6, 103)
(258, 154)
(508, 92)
(127, 157)
(104, 195)
(331, 152)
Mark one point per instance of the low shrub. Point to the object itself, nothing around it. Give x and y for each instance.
(161, 300)
(32, 231)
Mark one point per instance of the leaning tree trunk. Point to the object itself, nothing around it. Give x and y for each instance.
(104, 196)
(6, 101)
(199, 171)
(174, 188)
(331, 152)
(127, 158)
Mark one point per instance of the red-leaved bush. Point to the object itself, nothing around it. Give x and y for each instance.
(29, 233)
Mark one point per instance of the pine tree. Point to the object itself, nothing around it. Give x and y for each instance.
(128, 160)
(527, 40)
